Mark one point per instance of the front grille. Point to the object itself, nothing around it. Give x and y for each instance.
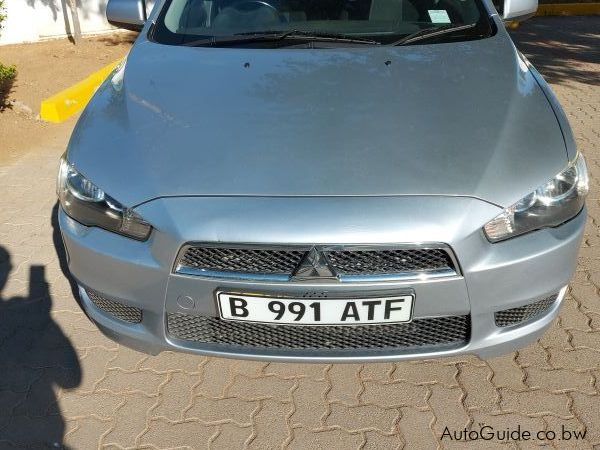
(514, 316)
(123, 312)
(371, 262)
(351, 263)
(418, 334)
(243, 260)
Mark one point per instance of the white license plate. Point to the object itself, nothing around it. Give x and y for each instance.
(315, 311)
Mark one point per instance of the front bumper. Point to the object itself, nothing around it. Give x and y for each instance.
(494, 277)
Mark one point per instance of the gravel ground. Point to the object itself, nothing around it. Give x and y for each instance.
(44, 69)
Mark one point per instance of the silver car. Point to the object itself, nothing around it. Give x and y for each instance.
(322, 180)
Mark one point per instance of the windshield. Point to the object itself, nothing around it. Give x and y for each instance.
(288, 22)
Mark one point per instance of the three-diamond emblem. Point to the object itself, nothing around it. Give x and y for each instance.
(314, 266)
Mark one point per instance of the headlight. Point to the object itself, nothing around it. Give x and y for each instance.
(550, 205)
(85, 202)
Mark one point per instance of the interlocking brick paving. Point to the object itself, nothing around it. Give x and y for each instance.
(62, 382)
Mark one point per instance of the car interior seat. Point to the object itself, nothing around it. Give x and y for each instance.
(393, 11)
(241, 14)
(196, 14)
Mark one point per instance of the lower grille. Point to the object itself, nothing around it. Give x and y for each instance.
(123, 312)
(514, 316)
(420, 333)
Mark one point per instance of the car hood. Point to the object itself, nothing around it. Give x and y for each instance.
(456, 119)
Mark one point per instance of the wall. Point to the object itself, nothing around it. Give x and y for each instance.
(34, 20)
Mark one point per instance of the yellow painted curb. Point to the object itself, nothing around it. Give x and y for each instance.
(63, 105)
(569, 9)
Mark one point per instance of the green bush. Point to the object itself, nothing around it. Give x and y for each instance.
(7, 75)
(2, 13)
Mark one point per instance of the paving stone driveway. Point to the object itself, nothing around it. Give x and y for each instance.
(62, 381)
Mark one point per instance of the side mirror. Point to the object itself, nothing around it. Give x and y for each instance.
(519, 10)
(128, 14)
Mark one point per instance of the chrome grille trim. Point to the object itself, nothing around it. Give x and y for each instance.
(352, 263)
(423, 333)
(400, 276)
(521, 314)
(118, 310)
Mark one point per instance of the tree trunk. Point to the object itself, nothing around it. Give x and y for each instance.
(76, 24)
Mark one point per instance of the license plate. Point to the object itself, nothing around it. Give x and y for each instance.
(311, 311)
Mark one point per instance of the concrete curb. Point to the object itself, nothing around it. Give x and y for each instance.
(65, 104)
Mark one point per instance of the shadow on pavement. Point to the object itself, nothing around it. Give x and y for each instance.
(563, 49)
(36, 359)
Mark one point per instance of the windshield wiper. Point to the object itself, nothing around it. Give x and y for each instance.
(428, 33)
(273, 36)
(316, 35)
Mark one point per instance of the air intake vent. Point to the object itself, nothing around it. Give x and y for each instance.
(431, 332)
(123, 312)
(521, 314)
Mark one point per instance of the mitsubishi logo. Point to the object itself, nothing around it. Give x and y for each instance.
(314, 266)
